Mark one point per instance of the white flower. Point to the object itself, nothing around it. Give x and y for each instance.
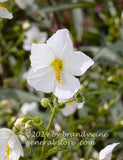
(54, 65)
(71, 107)
(4, 13)
(29, 107)
(106, 153)
(22, 4)
(10, 146)
(33, 35)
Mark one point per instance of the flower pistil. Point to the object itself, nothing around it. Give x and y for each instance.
(57, 65)
(7, 152)
(35, 41)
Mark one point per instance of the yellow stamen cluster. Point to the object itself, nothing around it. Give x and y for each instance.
(57, 65)
(1, 4)
(4, 8)
(7, 152)
(34, 41)
(69, 104)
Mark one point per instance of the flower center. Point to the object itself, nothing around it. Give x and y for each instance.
(7, 152)
(57, 65)
(1, 5)
(34, 41)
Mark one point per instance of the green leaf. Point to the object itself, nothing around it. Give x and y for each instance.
(108, 57)
(116, 47)
(62, 7)
(8, 93)
(23, 158)
(38, 122)
(78, 21)
(83, 120)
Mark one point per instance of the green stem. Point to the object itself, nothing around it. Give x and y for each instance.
(31, 151)
(28, 139)
(48, 127)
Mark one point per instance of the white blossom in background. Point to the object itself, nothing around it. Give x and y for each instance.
(33, 35)
(54, 158)
(4, 13)
(71, 107)
(106, 153)
(22, 4)
(10, 146)
(29, 107)
(55, 65)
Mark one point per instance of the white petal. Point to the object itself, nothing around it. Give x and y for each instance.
(41, 56)
(61, 43)
(69, 87)
(78, 63)
(27, 45)
(80, 105)
(9, 138)
(32, 31)
(33, 34)
(106, 153)
(29, 107)
(3, 145)
(69, 109)
(42, 80)
(4, 13)
(4, 133)
(16, 146)
(42, 37)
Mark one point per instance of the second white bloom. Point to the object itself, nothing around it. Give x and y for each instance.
(10, 146)
(4, 13)
(106, 153)
(55, 65)
(33, 35)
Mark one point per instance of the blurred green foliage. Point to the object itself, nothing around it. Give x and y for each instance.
(96, 29)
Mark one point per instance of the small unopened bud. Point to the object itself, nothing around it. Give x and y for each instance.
(19, 122)
(5, 102)
(13, 119)
(106, 106)
(28, 124)
(45, 102)
(26, 25)
(121, 122)
(57, 127)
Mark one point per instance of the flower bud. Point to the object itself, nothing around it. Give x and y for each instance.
(5, 102)
(19, 122)
(28, 124)
(45, 102)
